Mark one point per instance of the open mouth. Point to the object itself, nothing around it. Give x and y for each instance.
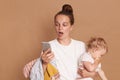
(60, 33)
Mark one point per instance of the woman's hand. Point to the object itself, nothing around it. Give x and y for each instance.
(56, 77)
(84, 73)
(27, 68)
(47, 56)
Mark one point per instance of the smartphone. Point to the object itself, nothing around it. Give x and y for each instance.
(45, 46)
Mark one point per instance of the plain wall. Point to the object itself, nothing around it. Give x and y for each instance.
(25, 23)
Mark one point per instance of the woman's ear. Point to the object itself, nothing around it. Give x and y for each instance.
(71, 28)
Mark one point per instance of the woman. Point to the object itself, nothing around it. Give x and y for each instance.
(64, 49)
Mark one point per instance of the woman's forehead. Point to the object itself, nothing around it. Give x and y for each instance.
(62, 18)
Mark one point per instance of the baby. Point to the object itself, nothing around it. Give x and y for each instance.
(96, 48)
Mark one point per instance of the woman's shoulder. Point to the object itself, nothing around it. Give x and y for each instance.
(52, 41)
(78, 42)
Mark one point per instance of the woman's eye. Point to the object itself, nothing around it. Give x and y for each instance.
(56, 24)
(64, 24)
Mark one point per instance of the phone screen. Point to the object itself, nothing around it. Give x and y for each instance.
(45, 46)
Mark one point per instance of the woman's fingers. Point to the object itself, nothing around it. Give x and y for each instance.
(44, 53)
(27, 68)
(47, 56)
(26, 71)
(47, 51)
(79, 71)
(50, 56)
(56, 77)
(82, 72)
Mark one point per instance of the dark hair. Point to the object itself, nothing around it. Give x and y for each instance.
(68, 11)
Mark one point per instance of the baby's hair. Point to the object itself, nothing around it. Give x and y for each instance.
(97, 42)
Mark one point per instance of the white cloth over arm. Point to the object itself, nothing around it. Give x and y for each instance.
(37, 71)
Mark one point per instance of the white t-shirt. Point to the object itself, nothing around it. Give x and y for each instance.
(87, 57)
(67, 57)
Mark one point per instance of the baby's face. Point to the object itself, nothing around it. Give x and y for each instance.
(99, 52)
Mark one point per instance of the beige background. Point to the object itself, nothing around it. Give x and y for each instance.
(25, 23)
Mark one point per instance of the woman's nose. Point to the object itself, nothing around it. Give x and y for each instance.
(60, 27)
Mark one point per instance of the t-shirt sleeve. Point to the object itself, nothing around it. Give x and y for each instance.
(80, 49)
(86, 57)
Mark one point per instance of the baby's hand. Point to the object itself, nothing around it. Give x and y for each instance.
(96, 55)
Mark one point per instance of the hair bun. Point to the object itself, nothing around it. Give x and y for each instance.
(67, 8)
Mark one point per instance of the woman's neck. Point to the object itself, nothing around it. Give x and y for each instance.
(65, 41)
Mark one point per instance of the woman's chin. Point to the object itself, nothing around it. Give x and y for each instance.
(60, 37)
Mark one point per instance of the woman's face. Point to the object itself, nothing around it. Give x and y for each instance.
(62, 26)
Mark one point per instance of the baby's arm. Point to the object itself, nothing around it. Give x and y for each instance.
(102, 74)
(91, 66)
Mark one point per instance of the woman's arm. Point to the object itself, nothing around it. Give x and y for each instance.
(27, 68)
(102, 74)
(84, 73)
(46, 57)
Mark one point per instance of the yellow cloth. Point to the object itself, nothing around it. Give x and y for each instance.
(50, 71)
